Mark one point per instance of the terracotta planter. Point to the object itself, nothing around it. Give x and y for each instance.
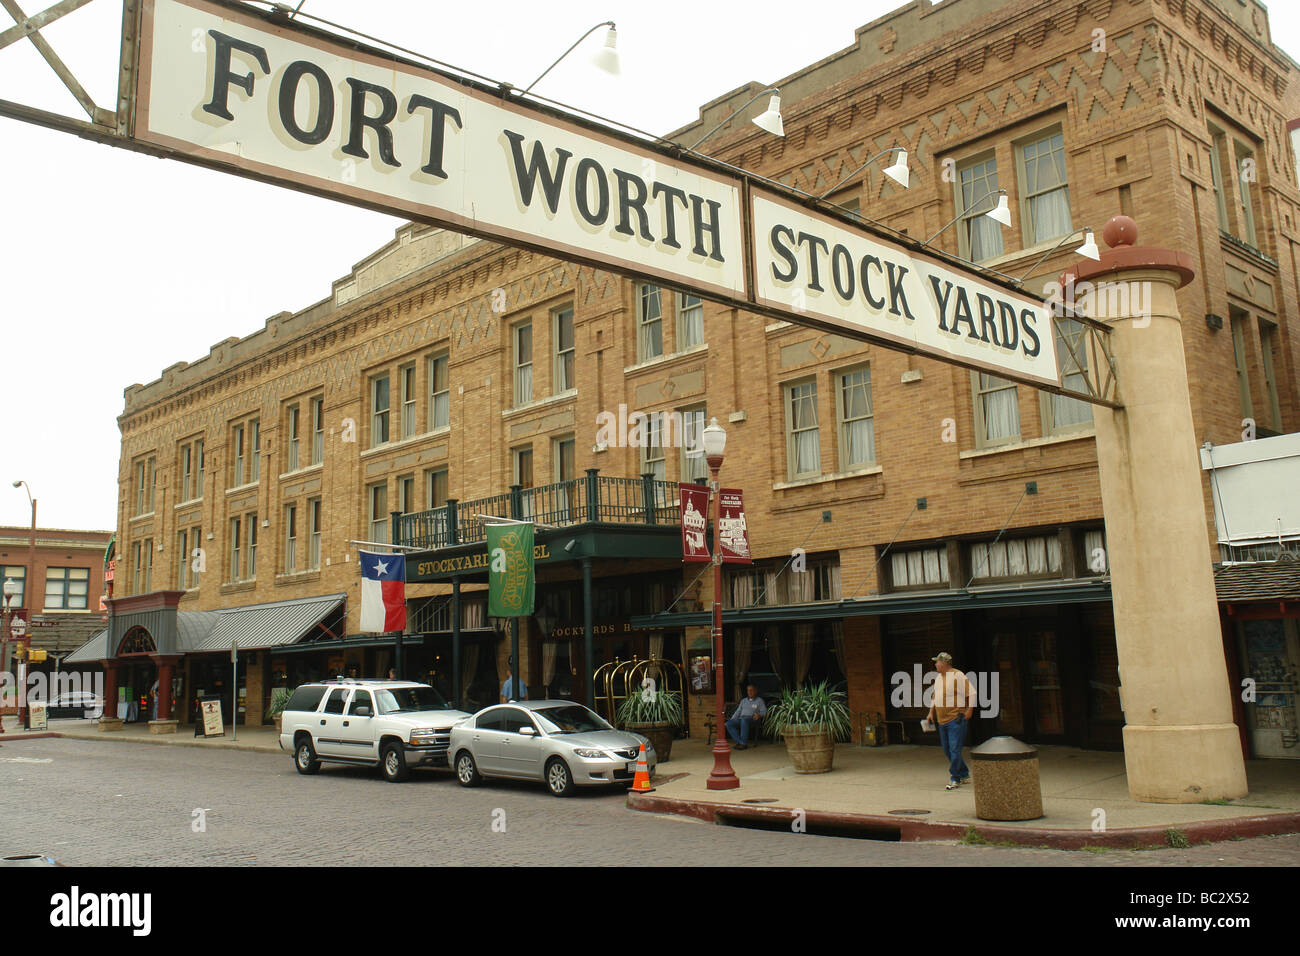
(661, 735)
(811, 749)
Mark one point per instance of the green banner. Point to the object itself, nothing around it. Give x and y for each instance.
(510, 570)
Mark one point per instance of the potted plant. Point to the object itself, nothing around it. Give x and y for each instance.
(810, 719)
(279, 697)
(653, 714)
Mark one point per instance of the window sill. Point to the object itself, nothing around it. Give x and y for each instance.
(236, 586)
(1031, 443)
(188, 504)
(300, 472)
(247, 486)
(141, 517)
(822, 479)
(297, 577)
(1028, 252)
(1246, 248)
(540, 403)
(402, 443)
(665, 359)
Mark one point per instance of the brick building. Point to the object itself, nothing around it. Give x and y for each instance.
(64, 608)
(933, 508)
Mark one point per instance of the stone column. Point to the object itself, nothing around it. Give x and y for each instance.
(1180, 742)
(164, 724)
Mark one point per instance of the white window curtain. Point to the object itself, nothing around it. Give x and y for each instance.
(898, 568)
(1092, 542)
(837, 636)
(740, 669)
(770, 586)
(1000, 409)
(800, 586)
(548, 663)
(804, 432)
(979, 189)
(1047, 188)
(803, 643)
(742, 590)
(1070, 412)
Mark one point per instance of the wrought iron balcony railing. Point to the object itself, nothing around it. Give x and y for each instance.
(590, 499)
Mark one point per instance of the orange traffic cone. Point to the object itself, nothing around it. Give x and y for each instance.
(641, 782)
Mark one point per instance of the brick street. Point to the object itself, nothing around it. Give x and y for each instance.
(103, 803)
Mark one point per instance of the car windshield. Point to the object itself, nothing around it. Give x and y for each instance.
(401, 700)
(569, 719)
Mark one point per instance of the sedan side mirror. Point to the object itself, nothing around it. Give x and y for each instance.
(362, 711)
(528, 731)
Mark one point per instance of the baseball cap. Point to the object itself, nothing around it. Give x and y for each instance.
(942, 656)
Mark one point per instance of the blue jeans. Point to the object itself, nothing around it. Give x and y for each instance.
(738, 729)
(951, 737)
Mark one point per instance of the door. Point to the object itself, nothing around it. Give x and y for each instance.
(520, 754)
(489, 728)
(1269, 652)
(356, 735)
(328, 732)
(1010, 719)
(1046, 698)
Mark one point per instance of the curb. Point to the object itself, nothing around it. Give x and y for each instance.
(158, 740)
(891, 828)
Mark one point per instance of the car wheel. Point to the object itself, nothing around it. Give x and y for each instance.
(466, 770)
(558, 778)
(304, 757)
(393, 762)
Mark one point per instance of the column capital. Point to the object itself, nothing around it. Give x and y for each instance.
(1120, 233)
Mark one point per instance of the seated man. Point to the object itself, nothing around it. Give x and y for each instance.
(749, 711)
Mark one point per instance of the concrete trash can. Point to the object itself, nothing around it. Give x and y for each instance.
(1005, 773)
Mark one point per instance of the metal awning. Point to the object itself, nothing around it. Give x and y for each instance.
(94, 650)
(266, 625)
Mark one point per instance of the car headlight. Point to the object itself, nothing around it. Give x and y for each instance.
(591, 754)
(423, 735)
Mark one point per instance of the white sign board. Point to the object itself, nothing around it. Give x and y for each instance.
(280, 102)
(272, 99)
(811, 264)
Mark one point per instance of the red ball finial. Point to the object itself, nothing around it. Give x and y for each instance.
(1120, 231)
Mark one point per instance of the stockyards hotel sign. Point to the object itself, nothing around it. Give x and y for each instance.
(226, 86)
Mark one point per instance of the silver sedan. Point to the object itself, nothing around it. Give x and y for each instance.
(557, 741)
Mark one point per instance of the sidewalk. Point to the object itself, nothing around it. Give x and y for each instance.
(260, 739)
(871, 785)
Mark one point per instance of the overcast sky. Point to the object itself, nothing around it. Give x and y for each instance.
(116, 265)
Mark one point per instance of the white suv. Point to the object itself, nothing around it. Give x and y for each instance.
(392, 724)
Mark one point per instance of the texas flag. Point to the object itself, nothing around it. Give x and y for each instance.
(383, 592)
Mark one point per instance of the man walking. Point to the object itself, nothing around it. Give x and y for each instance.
(952, 706)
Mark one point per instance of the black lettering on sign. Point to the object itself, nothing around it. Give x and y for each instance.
(896, 293)
(439, 113)
(1027, 321)
(293, 74)
(988, 312)
(632, 195)
(961, 313)
(781, 235)
(709, 226)
(1010, 331)
(941, 299)
(526, 177)
(813, 243)
(582, 186)
(842, 272)
(358, 120)
(670, 220)
(223, 79)
(873, 301)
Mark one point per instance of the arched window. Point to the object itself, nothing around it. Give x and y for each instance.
(137, 641)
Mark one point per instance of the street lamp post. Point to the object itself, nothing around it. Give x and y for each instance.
(30, 590)
(6, 615)
(722, 776)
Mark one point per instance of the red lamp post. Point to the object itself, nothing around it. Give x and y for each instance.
(722, 777)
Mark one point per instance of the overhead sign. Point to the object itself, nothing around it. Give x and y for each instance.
(809, 263)
(263, 96)
(277, 101)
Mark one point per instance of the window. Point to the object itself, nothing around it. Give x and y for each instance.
(649, 317)
(978, 236)
(189, 546)
(523, 336)
(67, 589)
(694, 467)
(361, 698)
(803, 442)
(406, 494)
(137, 567)
(378, 513)
(1244, 172)
(565, 459)
(250, 522)
(690, 321)
(919, 567)
(317, 430)
(1237, 320)
(1218, 156)
(244, 441)
(146, 480)
(254, 451)
(337, 698)
(997, 410)
(18, 575)
(291, 463)
(407, 378)
(243, 548)
(146, 555)
(379, 401)
(523, 462)
(1094, 553)
(435, 483)
(1068, 414)
(857, 419)
(313, 533)
(1045, 190)
(290, 539)
(191, 470)
(654, 459)
(564, 351)
(236, 553)
(1267, 343)
(1016, 557)
(439, 392)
